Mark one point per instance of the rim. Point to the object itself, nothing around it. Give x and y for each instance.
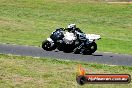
(92, 47)
(47, 45)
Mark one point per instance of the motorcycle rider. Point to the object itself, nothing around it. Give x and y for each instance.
(81, 37)
(72, 28)
(77, 32)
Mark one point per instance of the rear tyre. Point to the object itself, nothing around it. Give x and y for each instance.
(46, 45)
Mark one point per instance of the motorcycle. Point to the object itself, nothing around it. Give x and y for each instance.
(71, 42)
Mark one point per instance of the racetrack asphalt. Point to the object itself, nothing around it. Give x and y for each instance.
(97, 57)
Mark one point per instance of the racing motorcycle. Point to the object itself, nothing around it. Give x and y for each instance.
(71, 42)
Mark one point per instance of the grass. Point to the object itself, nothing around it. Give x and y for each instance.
(29, 22)
(28, 72)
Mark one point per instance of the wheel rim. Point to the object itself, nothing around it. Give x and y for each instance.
(47, 45)
(92, 47)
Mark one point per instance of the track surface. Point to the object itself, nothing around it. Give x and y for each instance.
(105, 58)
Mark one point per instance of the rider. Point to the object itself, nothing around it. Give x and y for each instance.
(77, 32)
(72, 28)
(81, 37)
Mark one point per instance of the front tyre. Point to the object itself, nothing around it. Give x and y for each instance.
(46, 45)
(91, 48)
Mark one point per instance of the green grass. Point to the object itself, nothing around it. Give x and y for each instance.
(28, 72)
(29, 22)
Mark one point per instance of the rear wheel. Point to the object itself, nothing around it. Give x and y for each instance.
(46, 45)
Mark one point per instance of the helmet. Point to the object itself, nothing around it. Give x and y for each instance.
(72, 26)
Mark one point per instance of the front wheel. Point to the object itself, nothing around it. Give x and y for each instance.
(46, 45)
(91, 48)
